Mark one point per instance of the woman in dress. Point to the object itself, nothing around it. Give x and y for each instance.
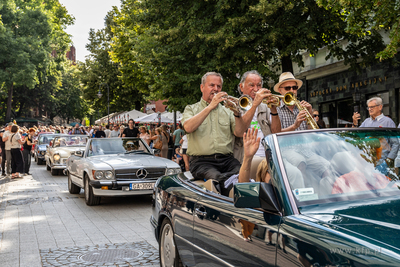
(144, 135)
(165, 139)
(156, 136)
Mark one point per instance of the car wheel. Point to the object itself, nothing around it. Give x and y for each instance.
(168, 251)
(73, 188)
(39, 161)
(90, 198)
(47, 166)
(35, 158)
(54, 171)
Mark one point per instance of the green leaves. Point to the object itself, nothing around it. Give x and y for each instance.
(362, 17)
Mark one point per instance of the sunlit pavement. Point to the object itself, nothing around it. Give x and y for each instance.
(41, 224)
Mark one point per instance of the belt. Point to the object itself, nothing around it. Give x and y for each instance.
(213, 156)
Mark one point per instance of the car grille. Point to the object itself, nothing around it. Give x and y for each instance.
(64, 161)
(129, 174)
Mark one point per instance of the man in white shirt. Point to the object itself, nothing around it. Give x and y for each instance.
(107, 131)
(6, 139)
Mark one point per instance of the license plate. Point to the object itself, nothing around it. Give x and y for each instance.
(141, 186)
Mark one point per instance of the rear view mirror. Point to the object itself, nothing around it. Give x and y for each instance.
(78, 153)
(255, 195)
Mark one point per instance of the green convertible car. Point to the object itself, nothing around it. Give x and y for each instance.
(333, 199)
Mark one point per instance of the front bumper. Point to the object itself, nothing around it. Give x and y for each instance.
(59, 166)
(115, 188)
(40, 156)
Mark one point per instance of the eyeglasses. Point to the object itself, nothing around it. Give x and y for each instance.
(371, 107)
(287, 88)
(315, 115)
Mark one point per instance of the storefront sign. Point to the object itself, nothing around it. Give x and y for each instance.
(345, 87)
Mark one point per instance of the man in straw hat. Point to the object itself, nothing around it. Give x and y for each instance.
(292, 119)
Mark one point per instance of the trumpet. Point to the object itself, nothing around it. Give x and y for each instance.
(238, 105)
(245, 103)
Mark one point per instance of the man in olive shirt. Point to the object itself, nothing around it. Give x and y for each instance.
(210, 128)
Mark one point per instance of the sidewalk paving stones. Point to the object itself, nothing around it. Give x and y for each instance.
(41, 224)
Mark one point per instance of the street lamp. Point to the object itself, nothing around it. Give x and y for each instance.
(99, 95)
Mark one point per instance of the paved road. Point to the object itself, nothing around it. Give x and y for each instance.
(41, 224)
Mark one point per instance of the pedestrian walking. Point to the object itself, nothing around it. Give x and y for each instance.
(165, 140)
(131, 130)
(6, 137)
(144, 135)
(27, 150)
(17, 162)
(157, 140)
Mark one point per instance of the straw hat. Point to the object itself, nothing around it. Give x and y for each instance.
(287, 77)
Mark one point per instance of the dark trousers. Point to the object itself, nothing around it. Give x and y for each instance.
(218, 168)
(3, 159)
(27, 159)
(17, 162)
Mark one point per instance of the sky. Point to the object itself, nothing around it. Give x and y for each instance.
(88, 14)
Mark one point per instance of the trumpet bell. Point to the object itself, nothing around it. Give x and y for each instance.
(245, 102)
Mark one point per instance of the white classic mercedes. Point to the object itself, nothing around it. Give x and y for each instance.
(111, 167)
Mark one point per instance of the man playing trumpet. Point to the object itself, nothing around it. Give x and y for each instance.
(264, 119)
(211, 128)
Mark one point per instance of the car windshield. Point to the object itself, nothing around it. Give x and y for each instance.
(341, 165)
(104, 146)
(46, 138)
(74, 140)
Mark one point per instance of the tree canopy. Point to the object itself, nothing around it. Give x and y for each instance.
(361, 17)
(164, 47)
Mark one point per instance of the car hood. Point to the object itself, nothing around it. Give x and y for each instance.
(68, 150)
(42, 147)
(138, 160)
(376, 219)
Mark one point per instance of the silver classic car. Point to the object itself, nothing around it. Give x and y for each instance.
(110, 167)
(39, 151)
(60, 149)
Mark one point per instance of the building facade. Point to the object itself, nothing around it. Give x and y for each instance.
(336, 96)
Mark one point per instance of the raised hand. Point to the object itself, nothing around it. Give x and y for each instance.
(250, 142)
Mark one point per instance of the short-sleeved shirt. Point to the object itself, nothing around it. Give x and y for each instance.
(8, 142)
(214, 135)
(131, 132)
(178, 135)
(380, 121)
(288, 117)
(113, 134)
(14, 137)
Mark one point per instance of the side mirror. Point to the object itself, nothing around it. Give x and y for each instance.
(156, 151)
(78, 153)
(255, 195)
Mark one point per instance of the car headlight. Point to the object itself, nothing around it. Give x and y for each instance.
(56, 157)
(109, 175)
(98, 175)
(171, 171)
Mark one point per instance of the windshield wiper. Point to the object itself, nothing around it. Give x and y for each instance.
(136, 152)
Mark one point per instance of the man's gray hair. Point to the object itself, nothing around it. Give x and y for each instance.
(244, 77)
(203, 79)
(378, 100)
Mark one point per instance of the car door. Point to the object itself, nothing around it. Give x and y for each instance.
(218, 233)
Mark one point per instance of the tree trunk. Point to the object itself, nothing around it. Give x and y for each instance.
(287, 65)
(9, 102)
